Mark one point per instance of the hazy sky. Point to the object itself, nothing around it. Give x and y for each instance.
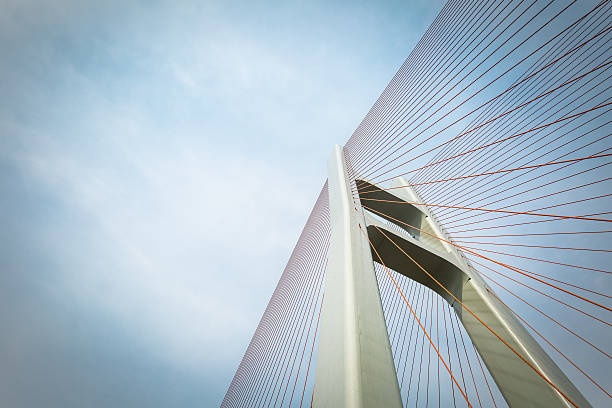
(157, 163)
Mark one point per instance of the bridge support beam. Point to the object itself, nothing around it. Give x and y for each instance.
(519, 383)
(354, 365)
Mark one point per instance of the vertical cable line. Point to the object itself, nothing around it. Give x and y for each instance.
(467, 358)
(422, 347)
(393, 313)
(409, 78)
(265, 318)
(299, 257)
(388, 138)
(387, 154)
(273, 362)
(391, 136)
(385, 299)
(561, 44)
(240, 389)
(438, 341)
(320, 285)
(463, 134)
(450, 319)
(419, 340)
(448, 353)
(401, 311)
(429, 349)
(395, 84)
(419, 85)
(484, 324)
(410, 342)
(476, 93)
(421, 309)
(411, 294)
(304, 319)
(399, 80)
(483, 374)
(285, 344)
(396, 336)
(415, 316)
(314, 339)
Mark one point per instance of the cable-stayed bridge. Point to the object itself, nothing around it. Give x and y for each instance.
(459, 252)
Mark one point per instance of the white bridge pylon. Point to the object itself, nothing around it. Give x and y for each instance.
(355, 365)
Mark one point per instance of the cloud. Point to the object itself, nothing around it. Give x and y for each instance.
(158, 163)
(172, 220)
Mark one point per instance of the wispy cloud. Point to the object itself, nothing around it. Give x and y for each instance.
(159, 161)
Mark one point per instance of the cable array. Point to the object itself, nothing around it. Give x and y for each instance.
(277, 367)
(499, 123)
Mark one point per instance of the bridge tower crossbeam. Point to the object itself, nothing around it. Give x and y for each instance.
(355, 365)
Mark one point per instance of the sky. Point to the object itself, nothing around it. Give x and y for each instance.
(158, 160)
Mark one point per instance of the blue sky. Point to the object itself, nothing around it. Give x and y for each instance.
(158, 161)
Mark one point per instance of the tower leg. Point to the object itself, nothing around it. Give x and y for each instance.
(443, 269)
(354, 365)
